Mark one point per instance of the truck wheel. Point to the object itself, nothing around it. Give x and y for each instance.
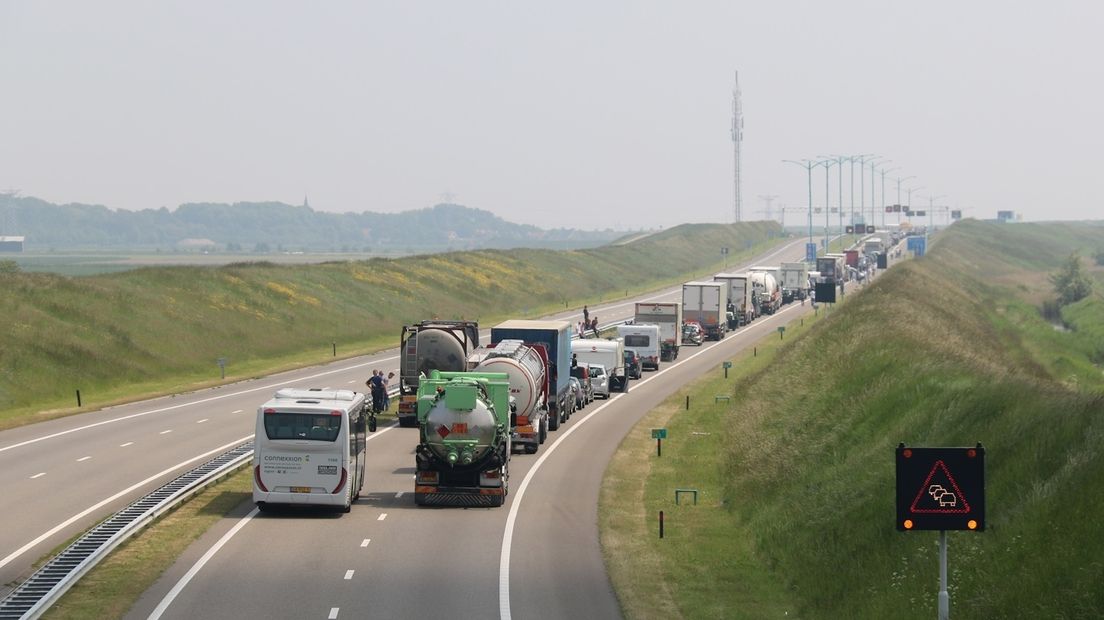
(625, 385)
(543, 433)
(554, 421)
(530, 448)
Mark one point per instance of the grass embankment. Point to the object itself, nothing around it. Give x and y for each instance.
(160, 330)
(797, 511)
(113, 587)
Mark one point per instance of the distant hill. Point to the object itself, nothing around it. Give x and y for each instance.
(274, 226)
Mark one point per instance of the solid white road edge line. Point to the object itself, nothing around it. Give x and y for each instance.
(176, 589)
(194, 570)
(20, 551)
(515, 506)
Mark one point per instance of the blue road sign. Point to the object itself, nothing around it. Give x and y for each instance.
(917, 245)
(810, 252)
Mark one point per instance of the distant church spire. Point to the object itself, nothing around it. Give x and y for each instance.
(306, 203)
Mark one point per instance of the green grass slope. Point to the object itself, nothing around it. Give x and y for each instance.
(157, 330)
(936, 352)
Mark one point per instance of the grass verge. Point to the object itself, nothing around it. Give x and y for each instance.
(112, 587)
(161, 330)
(797, 473)
(675, 577)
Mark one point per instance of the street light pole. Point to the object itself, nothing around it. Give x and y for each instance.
(884, 171)
(827, 168)
(808, 165)
(872, 177)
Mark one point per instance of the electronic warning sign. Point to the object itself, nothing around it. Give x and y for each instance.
(940, 488)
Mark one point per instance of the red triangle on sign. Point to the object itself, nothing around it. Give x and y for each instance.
(935, 493)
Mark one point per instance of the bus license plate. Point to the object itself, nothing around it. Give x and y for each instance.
(300, 489)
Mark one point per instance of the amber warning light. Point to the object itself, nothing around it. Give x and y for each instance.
(940, 488)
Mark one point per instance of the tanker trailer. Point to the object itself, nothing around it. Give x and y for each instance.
(526, 366)
(463, 455)
(428, 346)
(767, 290)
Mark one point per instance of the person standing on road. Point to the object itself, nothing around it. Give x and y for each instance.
(594, 326)
(586, 315)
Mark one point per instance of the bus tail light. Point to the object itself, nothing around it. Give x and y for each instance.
(341, 483)
(257, 478)
(426, 477)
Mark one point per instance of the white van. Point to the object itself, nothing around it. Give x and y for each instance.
(608, 353)
(642, 340)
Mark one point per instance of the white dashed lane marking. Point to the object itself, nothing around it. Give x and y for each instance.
(333, 613)
(382, 517)
(83, 458)
(164, 432)
(42, 473)
(349, 574)
(399, 494)
(201, 421)
(363, 543)
(237, 411)
(129, 443)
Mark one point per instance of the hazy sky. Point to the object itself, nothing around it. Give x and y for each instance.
(580, 114)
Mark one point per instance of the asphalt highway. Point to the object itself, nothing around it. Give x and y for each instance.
(65, 475)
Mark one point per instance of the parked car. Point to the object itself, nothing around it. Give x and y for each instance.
(692, 333)
(579, 392)
(599, 380)
(633, 367)
(582, 373)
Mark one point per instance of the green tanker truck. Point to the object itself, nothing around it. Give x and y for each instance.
(463, 456)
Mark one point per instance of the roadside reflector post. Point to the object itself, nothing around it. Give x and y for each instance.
(755, 351)
(781, 330)
(688, 402)
(726, 365)
(661, 524)
(659, 446)
(334, 349)
(78, 398)
(222, 366)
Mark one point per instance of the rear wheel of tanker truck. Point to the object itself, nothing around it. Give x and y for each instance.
(554, 420)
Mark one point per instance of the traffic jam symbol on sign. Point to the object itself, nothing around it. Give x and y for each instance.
(940, 488)
(940, 494)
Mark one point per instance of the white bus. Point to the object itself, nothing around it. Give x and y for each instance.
(309, 448)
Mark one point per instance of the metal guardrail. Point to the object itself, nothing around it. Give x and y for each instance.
(34, 596)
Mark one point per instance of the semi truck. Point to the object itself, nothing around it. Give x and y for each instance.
(707, 304)
(608, 353)
(644, 340)
(463, 453)
(666, 316)
(527, 369)
(427, 346)
(556, 338)
(795, 281)
(740, 297)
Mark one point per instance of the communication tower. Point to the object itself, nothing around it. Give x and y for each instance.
(737, 138)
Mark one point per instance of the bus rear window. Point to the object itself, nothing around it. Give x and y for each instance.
(637, 340)
(281, 425)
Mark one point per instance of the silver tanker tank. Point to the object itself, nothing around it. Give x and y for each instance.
(526, 368)
(460, 427)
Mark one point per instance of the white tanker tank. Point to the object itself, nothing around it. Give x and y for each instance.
(527, 369)
(767, 290)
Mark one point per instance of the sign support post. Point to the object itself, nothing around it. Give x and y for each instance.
(944, 597)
